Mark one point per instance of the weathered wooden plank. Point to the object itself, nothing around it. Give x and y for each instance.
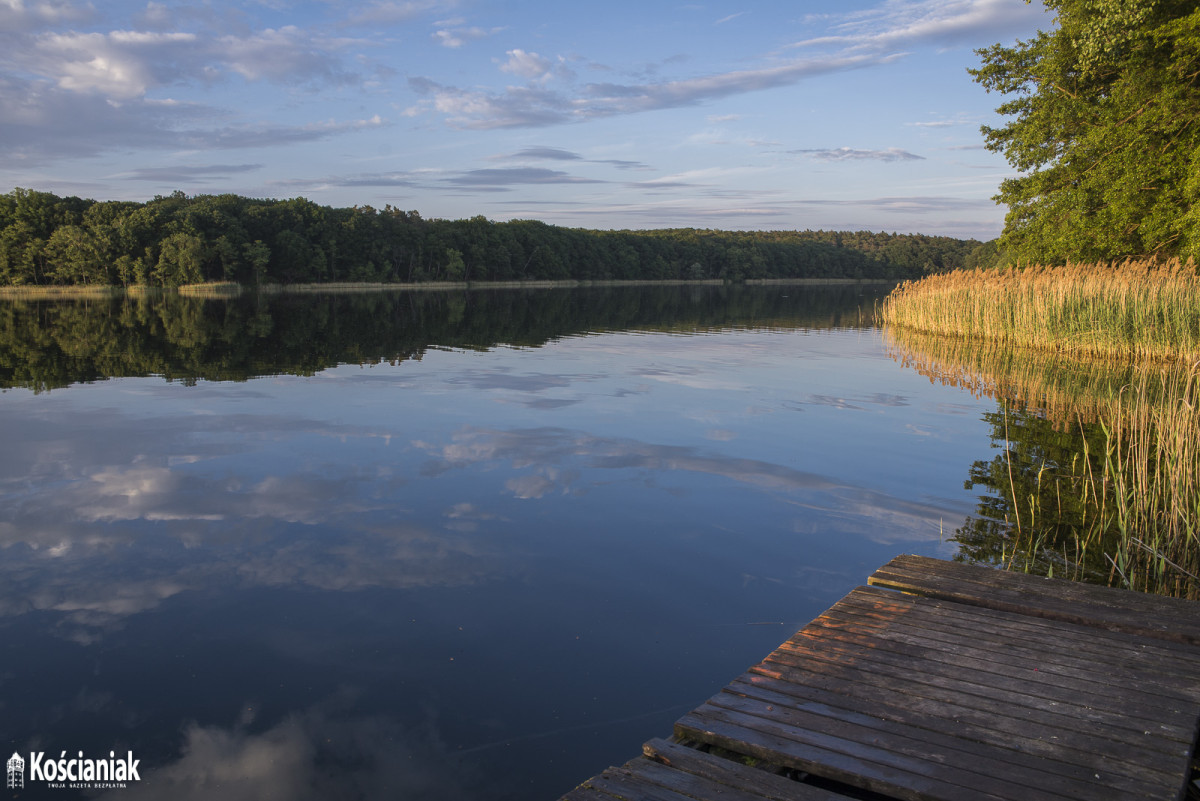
(902, 776)
(623, 784)
(1109, 608)
(986, 764)
(841, 623)
(582, 793)
(887, 599)
(1143, 751)
(1036, 637)
(1031, 689)
(741, 784)
(1135, 677)
(1115, 667)
(671, 772)
(1081, 753)
(820, 669)
(732, 774)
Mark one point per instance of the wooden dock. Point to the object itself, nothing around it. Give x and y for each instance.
(969, 683)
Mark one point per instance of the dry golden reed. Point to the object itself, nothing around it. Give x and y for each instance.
(1134, 310)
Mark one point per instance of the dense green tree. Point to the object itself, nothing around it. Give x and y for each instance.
(1105, 131)
(177, 239)
(77, 256)
(180, 259)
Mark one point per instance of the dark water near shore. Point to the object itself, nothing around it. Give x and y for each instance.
(438, 545)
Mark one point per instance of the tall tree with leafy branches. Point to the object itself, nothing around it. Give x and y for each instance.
(1104, 129)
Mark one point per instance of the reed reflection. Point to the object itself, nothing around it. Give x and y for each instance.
(1098, 475)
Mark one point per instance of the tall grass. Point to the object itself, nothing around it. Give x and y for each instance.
(1124, 509)
(219, 289)
(57, 292)
(1135, 310)
(1152, 474)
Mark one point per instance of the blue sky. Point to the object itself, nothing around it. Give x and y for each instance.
(846, 114)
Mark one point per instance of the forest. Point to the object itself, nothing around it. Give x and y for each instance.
(177, 239)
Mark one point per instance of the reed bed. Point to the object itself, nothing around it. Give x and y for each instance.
(57, 292)
(213, 289)
(1140, 310)
(1115, 498)
(1152, 476)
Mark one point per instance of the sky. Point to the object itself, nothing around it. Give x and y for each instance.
(772, 115)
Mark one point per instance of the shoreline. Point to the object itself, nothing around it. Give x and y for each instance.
(228, 290)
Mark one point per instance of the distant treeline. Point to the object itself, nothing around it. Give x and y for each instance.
(177, 239)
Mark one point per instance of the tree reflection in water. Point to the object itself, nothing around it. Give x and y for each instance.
(46, 344)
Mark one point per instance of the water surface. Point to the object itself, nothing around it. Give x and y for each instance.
(438, 545)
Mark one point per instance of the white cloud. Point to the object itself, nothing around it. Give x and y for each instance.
(526, 65)
(517, 107)
(456, 37)
(16, 15)
(119, 65)
(286, 55)
(122, 65)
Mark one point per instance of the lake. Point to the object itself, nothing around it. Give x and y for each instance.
(440, 545)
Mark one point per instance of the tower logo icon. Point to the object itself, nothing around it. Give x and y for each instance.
(16, 771)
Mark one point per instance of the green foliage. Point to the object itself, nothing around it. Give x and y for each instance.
(1105, 130)
(176, 239)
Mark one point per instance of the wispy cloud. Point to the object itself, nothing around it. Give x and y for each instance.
(536, 106)
(188, 172)
(905, 23)
(453, 34)
(516, 107)
(916, 204)
(18, 17)
(516, 175)
(857, 40)
(271, 135)
(390, 12)
(548, 153)
(851, 154)
(558, 154)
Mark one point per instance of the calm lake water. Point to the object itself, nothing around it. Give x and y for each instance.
(438, 545)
